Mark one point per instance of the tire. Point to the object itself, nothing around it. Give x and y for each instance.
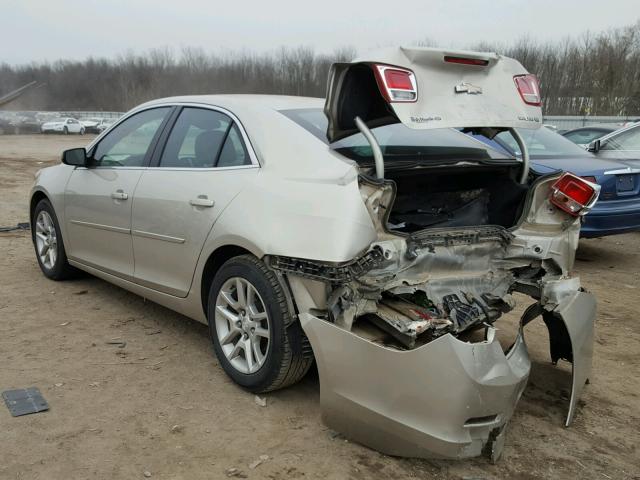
(81, 132)
(45, 224)
(65, 130)
(287, 354)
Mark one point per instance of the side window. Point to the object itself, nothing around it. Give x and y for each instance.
(629, 140)
(196, 139)
(128, 143)
(234, 153)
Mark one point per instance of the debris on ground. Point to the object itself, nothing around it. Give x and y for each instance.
(260, 401)
(177, 429)
(234, 472)
(117, 343)
(258, 461)
(20, 226)
(147, 473)
(24, 401)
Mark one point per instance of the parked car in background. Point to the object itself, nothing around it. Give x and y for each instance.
(63, 125)
(91, 124)
(361, 230)
(618, 207)
(105, 123)
(623, 144)
(583, 136)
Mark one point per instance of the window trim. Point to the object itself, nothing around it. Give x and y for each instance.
(161, 140)
(155, 163)
(152, 146)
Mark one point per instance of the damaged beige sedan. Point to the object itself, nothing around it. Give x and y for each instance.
(366, 231)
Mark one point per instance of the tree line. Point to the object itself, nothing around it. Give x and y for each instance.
(593, 74)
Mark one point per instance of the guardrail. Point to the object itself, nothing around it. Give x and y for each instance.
(567, 122)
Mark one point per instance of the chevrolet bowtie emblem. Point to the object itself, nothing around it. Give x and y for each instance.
(469, 88)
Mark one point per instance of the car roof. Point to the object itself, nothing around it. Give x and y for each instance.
(231, 101)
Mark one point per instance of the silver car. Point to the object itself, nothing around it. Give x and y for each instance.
(362, 231)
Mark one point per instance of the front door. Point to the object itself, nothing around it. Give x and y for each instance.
(98, 199)
(203, 166)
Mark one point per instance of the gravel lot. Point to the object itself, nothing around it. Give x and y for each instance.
(162, 404)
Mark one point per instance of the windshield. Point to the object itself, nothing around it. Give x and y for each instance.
(58, 119)
(542, 144)
(398, 142)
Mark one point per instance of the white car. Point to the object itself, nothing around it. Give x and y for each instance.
(63, 125)
(372, 237)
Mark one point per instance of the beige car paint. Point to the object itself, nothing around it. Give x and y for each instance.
(306, 201)
(99, 226)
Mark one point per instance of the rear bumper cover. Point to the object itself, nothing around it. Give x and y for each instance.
(600, 224)
(445, 399)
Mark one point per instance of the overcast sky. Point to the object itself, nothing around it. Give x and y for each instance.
(36, 30)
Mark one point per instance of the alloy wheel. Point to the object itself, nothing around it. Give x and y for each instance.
(46, 240)
(242, 325)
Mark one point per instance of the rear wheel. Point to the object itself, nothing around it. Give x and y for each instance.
(81, 131)
(47, 241)
(65, 130)
(256, 339)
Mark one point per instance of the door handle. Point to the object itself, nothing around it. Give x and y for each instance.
(201, 201)
(119, 195)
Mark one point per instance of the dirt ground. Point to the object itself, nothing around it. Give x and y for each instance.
(162, 404)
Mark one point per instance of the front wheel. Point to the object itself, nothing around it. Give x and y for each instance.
(81, 131)
(256, 339)
(65, 130)
(47, 241)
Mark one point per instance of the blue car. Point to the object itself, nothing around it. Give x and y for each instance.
(618, 208)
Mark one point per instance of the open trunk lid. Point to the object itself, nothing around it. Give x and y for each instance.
(426, 88)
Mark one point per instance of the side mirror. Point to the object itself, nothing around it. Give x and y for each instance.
(76, 157)
(594, 146)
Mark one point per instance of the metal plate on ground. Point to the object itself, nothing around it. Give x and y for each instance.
(24, 401)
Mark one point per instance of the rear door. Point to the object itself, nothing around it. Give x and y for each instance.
(98, 199)
(203, 165)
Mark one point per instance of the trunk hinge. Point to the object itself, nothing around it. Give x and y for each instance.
(375, 147)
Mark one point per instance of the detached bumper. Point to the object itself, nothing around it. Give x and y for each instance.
(446, 399)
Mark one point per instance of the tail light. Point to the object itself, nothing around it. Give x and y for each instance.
(466, 61)
(529, 89)
(573, 194)
(396, 84)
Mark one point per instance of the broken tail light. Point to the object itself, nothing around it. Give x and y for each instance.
(396, 84)
(528, 88)
(573, 194)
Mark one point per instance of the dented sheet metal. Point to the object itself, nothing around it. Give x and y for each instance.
(429, 393)
(447, 399)
(578, 313)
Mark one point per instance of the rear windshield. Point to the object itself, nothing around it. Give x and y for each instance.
(541, 143)
(399, 142)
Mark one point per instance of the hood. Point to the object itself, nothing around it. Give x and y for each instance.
(445, 88)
